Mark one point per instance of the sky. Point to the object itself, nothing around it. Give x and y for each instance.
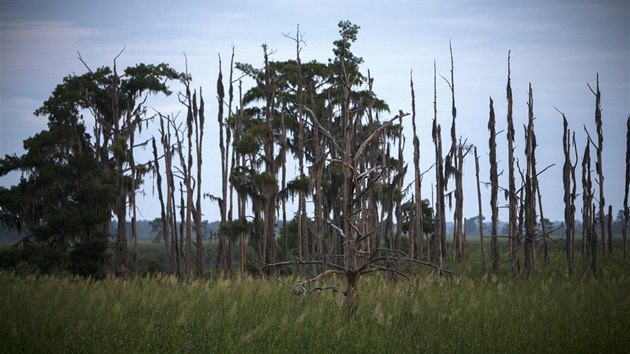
(557, 46)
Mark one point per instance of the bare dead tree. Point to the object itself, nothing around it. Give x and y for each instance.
(400, 175)
(599, 167)
(171, 214)
(223, 237)
(481, 242)
(418, 235)
(569, 205)
(453, 165)
(163, 219)
(512, 200)
(530, 188)
(494, 181)
(439, 233)
(195, 120)
(589, 237)
(185, 206)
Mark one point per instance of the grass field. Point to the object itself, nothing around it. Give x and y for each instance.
(469, 313)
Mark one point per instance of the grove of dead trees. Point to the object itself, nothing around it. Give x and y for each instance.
(350, 166)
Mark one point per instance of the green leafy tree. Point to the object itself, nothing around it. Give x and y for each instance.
(62, 200)
(74, 181)
(117, 105)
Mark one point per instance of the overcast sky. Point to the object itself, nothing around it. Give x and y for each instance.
(558, 46)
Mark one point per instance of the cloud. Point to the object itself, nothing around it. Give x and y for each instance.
(38, 51)
(18, 122)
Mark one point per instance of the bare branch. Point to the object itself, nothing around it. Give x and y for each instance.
(375, 134)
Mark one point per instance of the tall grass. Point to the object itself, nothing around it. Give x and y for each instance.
(551, 313)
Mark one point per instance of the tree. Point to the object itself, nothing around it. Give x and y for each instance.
(418, 236)
(568, 170)
(354, 172)
(494, 180)
(480, 217)
(63, 199)
(598, 166)
(117, 104)
(512, 198)
(531, 185)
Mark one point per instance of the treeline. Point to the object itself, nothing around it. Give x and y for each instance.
(355, 213)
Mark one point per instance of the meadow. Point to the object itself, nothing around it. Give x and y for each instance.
(469, 313)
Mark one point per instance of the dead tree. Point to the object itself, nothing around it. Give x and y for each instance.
(589, 237)
(599, 167)
(195, 120)
(224, 255)
(418, 235)
(194, 125)
(569, 198)
(512, 200)
(481, 242)
(453, 168)
(199, 126)
(439, 233)
(530, 188)
(494, 181)
(169, 215)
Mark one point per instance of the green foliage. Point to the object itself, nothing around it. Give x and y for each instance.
(247, 144)
(264, 180)
(70, 183)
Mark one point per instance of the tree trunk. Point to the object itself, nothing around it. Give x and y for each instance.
(494, 182)
(512, 200)
(569, 207)
(223, 243)
(599, 168)
(588, 238)
(439, 246)
(199, 125)
(530, 189)
(481, 242)
(455, 158)
(418, 235)
(165, 234)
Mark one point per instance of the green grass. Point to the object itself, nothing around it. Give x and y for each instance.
(469, 313)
